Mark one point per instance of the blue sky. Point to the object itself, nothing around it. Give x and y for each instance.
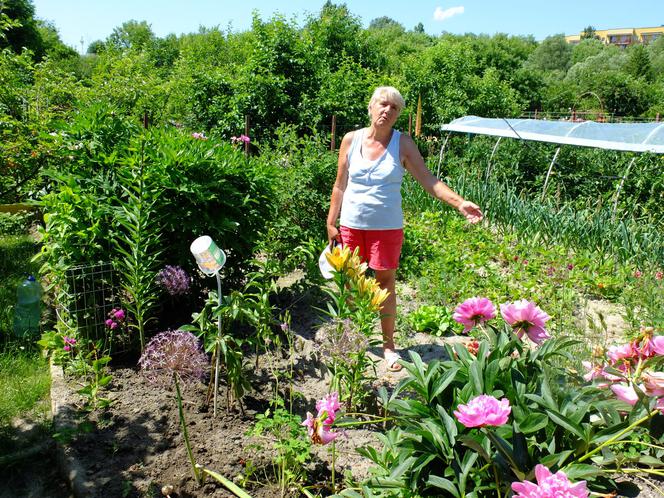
(95, 19)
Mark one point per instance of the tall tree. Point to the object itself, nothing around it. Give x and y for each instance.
(131, 35)
(22, 33)
(554, 53)
(589, 33)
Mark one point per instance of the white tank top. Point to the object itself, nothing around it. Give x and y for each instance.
(372, 200)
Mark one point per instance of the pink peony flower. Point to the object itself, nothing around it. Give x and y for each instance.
(119, 315)
(109, 323)
(625, 393)
(550, 486)
(67, 347)
(653, 383)
(526, 317)
(328, 406)
(638, 274)
(474, 311)
(659, 275)
(483, 411)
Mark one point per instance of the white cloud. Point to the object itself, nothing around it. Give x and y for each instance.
(440, 15)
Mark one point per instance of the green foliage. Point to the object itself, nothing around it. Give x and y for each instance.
(280, 434)
(305, 172)
(138, 241)
(21, 29)
(554, 53)
(431, 319)
(554, 421)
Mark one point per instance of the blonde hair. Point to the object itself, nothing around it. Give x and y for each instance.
(391, 94)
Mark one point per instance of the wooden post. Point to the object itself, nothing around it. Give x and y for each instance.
(410, 124)
(535, 113)
(145, 120)
(657, 118)
(333, 141)
(418, 116)
(246, 132)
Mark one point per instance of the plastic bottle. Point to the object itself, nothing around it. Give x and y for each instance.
(28, 308)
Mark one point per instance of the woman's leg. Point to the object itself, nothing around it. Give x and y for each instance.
(387, 280)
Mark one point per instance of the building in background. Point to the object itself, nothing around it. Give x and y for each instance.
(622, 37)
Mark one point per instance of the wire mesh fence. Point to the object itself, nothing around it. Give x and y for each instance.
(91, 295)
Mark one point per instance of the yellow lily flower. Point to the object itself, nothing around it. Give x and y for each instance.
(378, 298)
(338, 257)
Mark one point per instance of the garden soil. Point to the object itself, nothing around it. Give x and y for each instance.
(135, 447)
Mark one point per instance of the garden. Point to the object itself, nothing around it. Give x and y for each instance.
(531, 343)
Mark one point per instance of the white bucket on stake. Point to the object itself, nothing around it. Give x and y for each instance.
(209, 257)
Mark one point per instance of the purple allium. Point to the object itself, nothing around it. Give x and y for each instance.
(174, 352)
(118, 314)
(174, 280)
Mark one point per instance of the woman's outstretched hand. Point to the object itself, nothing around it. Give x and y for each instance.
(471, 211)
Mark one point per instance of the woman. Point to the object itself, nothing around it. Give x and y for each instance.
(367, 194)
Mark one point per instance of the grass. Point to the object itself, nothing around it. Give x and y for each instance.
(24, 385)
(24, 376)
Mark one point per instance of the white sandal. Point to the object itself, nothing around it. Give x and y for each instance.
(392, 361)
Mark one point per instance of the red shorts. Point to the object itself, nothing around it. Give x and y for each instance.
(379, 248)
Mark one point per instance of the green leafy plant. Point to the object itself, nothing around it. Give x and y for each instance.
(432, 319)
(555, 421)
(280, 434)
(138, 242)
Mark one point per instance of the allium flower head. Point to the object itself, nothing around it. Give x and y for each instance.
(174, 352)
(526, 317)
(474, 311)
(483, 411)
(550, 486)
(174, 280)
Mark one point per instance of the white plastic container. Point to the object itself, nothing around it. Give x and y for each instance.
(209, 257)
